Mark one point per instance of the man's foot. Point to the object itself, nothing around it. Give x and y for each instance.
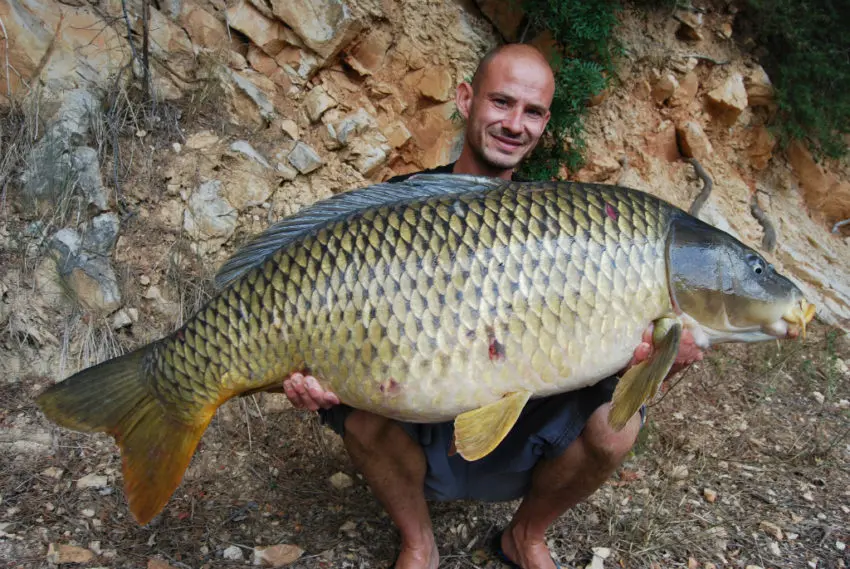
(418, 558)
(525, 553)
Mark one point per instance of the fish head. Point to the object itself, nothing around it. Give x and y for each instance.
(727, 290)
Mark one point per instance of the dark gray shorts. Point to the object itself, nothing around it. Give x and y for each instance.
(545, 429)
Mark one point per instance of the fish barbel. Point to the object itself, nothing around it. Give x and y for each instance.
(441, 297)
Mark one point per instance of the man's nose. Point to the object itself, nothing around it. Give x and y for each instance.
(513, 122)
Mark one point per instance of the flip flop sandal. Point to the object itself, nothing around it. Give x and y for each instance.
(496, 546)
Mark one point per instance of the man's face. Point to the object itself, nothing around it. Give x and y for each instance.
(509, 110)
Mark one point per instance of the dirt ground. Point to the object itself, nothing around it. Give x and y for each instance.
(743, 462)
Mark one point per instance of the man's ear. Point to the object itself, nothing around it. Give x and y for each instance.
(463, 99)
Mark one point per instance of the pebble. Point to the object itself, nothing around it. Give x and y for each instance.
(233, 553)
(771, 529)
(819, 397)
(88, 512)
(92, 481)
(341, 481)
(709, 495)
(53, 472)
(278, 555)
(774, 549)
(59, 554)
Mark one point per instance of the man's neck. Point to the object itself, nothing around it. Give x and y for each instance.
(468, 164)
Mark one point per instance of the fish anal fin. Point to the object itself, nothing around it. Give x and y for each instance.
(479, 431)
(641, 382)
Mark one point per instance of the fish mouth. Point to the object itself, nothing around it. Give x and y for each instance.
(794, 320)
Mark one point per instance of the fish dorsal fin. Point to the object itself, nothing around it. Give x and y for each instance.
(342, 206)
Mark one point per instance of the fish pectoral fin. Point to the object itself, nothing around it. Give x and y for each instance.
(641, 382)
(479, 431)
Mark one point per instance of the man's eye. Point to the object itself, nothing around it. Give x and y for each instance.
(500, 102)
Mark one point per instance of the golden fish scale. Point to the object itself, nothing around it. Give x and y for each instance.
(423, 311)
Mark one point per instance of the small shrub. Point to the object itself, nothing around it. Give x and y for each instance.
(583, 30)
(808, 59)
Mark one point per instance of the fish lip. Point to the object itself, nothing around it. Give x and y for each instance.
(798, 315)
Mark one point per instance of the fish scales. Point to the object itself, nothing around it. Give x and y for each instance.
(403, 304)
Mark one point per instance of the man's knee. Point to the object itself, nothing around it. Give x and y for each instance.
(367, 430)
(606, 445)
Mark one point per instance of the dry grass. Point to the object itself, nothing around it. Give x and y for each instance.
(744, 424)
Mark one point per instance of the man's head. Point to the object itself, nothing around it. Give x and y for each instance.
(506, 107)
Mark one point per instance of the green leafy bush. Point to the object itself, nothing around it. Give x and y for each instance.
(583, 30)
(808, 59)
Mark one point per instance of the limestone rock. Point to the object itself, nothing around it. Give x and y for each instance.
(367, 154)
(728, 101)
(687, 91)
(277, 555)
(124, 318)
(25, 439)
(84, 42)
(61, 554)
(369, 54)
(290, 128)
(304, 158)
(101, 234)
(92, 480)
(690, 26)
(505, 16)
(261, 61)
(664, 88)
(824, 192)
(83, 263)
(86, 165)
(325, 26)
(760, 91)
(233, 553)
(341, 481)
(436, 83)
(299, 64)
(397, 134)
(50, 170)
(209, 218)
(317, 102)
(204, 29)
(352, 125)
(168, 40)
(761, 148)
(693, 141)
(260, 99)
(244, 148)
(268, 34)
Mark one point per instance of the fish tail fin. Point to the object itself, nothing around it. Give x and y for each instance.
(115, 397)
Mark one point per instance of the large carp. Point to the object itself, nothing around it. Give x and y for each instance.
(443, 297)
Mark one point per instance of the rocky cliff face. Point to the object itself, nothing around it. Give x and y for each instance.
(263, 106)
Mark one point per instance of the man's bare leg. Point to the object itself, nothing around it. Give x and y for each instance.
(559, 484)
(394, 467)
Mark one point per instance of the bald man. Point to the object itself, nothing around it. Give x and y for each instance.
(561, 449)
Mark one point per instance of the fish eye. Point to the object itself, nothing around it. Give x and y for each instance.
(756, 263)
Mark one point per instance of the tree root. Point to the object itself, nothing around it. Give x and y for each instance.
(768, 241)
(706, 187)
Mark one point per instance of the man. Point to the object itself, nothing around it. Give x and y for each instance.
(561, 450)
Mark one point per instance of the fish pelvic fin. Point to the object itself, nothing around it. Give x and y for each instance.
(641, 382)
(115, 397)
(479, 431)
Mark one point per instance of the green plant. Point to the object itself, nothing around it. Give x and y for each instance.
(808, 59)
(583, 62)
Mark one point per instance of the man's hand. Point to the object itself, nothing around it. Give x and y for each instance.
(304, 392)
(689, 352)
